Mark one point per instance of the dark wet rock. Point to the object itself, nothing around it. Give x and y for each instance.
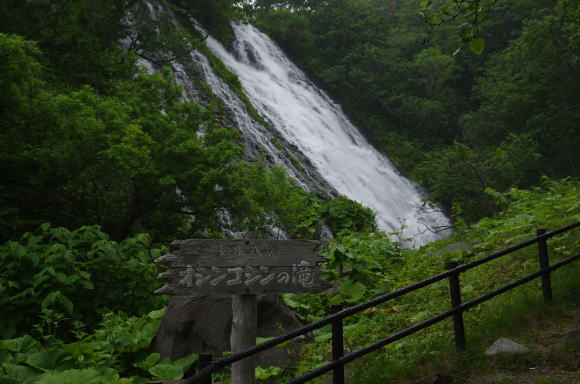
(202, 324)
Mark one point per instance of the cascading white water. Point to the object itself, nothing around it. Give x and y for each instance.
(254, 134)
(307, 117)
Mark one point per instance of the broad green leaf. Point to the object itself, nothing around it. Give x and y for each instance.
(355, 290)
(268, 372)
(5, 357)
(57, 297)
(423, 315)
(143, 238)
(186, 361)
(323, 337)
(85, 275)
(78, 376)
(157, 314)
(166, 371)
(149, 362)
(477, 45)
(22, 344)
(22, 374)
(50, 359)
(7, 380)
(293, 301)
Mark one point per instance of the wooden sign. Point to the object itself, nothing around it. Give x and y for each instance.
(242, 267)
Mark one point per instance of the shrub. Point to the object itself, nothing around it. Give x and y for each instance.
(80, 274)
(343, 214)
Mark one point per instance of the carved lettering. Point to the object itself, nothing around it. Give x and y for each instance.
(238, 279)
(303, 274)
(283, 277)
(252, 275)
(201, 276)
(269, 277)
(241, 252)
(187, 276)
(219, 278)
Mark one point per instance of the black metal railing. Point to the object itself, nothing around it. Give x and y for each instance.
(339, 359)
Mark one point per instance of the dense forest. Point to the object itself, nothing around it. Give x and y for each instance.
(456, 122)
(103, 163)
(89, 138)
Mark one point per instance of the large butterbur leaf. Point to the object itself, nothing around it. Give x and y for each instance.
(85, 376)
(21, 374)
(50, 359)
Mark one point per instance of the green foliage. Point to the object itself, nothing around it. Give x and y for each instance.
(48, 275)
(117, 348)
(78, 38)
(358, 259)
(553, 204)
(87, 375)
(460, 174)
(267, 373)
(468, 15)
(343, 214)
(19, 71)
(522, 91)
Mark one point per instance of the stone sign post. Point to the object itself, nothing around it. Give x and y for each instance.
(242, 268)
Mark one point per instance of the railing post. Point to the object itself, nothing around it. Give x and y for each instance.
(337, 347)
(204, 361)
(544, 263)
(455, 294)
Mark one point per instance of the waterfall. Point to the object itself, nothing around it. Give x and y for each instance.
(308, 118)
(312, 137)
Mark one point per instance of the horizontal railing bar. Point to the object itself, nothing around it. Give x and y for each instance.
(442, 316)
(223, 362)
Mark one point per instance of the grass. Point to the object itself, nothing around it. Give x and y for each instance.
(523, 317)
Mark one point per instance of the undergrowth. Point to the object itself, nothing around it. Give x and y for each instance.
(58, 344)
(370, 264)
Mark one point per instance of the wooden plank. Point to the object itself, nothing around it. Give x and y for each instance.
(244, 332)
(191, 280)
(224, 253)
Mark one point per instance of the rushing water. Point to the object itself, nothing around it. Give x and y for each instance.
(307, 117)
(254, 134)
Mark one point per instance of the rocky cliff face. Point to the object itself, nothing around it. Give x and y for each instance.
(196, 72)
